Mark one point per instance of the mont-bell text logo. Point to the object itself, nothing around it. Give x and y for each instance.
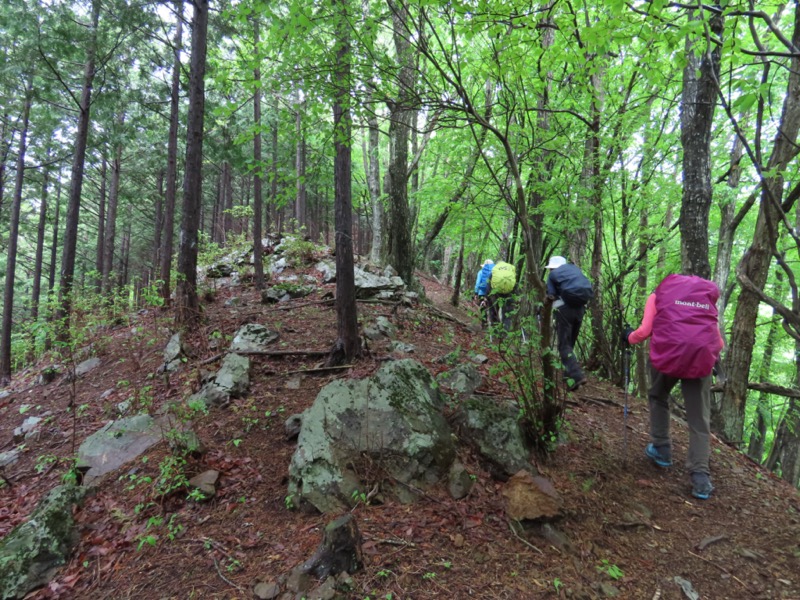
(693, 304)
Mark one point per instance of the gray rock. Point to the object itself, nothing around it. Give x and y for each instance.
(293, 384)
(4, 394)
(495, 433)
(479, 359)
(9, 457)
(292, 426)
(392, 418)
(398, 346)
(253, 338)
(368, 285)
(328, 271)
(28, 428)
(459, 482)
(222, 269)
(31, 553)
(174, 348)
(299, 580)
(385, 326)
(115, 444)
(278, 266)
(463, 380)
(87, 366)
(206, 482)
(232, 302)
(273, 295)
(209, 395)
(266, 590)
(233, 376)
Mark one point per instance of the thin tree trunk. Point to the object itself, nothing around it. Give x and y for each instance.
(300, 165)
(76, 180)
(13, 240)
(40, 233)
(755, 449)
(348, 343)
(101, 226)
(111, 218)
(172, 162)
(187, 302)
(51, 277)
(159, 225)
(273, 188)
(258, 262)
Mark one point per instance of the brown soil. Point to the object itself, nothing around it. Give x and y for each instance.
(626, 523)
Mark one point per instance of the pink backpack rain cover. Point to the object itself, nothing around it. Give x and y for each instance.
(685, 341)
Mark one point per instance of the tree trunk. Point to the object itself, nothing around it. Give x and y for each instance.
(374, 187)
(258, 200)
(300, 166)
(172, 161)
(40, 233)
(727, 228)
(159, 226)
(785, 453)
(273, 187)
(101, 226)
(76, 180)
(226, 201)
(728, 419)
(459, 264)
(755, 449)
(51, 277)
(13, 240)
(187, 302)
(401, 248)
(697, 116)
(348, 344)
(111, 218)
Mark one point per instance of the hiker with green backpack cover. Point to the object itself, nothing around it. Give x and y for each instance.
(502, 283)
(681, 319)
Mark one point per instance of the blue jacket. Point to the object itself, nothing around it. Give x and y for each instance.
(482, 282)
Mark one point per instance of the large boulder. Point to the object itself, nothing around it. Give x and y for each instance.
(253, 338)
(31, 553)
(386, 431)
(234, 375)
(231, 381)
(117, 443)
(493, 430)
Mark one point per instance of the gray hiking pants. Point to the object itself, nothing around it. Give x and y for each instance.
(568, 325)
(697, 396)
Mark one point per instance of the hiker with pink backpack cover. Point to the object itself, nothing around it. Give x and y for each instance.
(681, 319)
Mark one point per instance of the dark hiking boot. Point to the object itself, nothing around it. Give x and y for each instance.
(577, 384)
(701, 486)
(661, 455)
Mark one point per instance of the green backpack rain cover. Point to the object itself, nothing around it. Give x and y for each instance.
(504, 278)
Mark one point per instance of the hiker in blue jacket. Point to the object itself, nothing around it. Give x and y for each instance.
(482, 286)
(569, 290)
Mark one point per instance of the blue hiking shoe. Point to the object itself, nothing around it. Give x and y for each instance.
(661, 455)
(701, 486)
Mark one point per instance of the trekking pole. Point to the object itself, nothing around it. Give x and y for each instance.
(626, 367)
